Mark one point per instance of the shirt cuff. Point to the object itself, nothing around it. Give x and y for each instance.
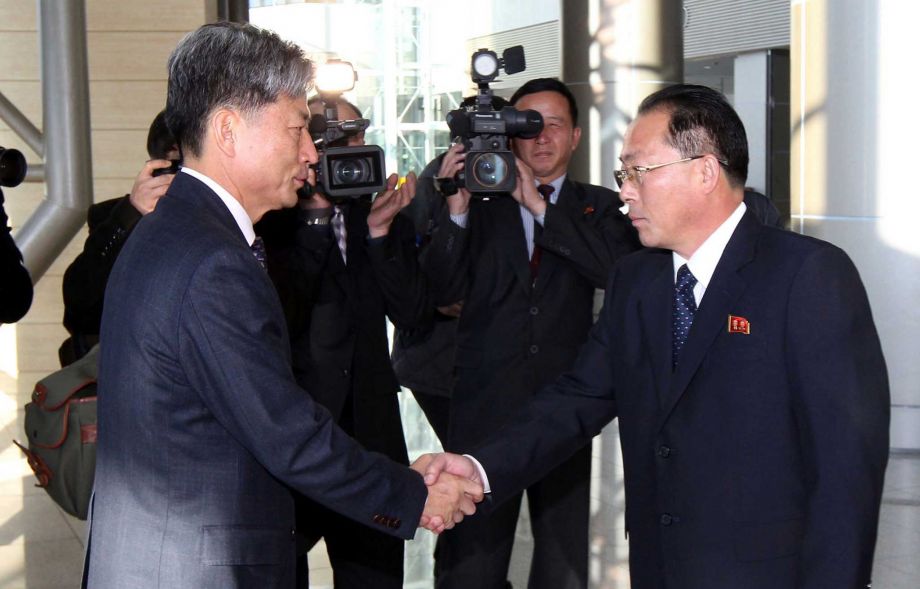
(486, 488)
(461, 220)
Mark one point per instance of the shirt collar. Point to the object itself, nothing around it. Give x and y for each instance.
(704, 260)
(236, 209)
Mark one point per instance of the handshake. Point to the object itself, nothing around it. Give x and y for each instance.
(454, 488)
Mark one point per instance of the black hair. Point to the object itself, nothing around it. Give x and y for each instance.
(548, 85)
(229, 65)
(160, 140)
(702, 121)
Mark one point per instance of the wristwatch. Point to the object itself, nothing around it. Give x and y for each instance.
(318, 220)
(446, 186)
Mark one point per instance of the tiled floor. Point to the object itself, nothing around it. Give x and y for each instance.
(42, 548)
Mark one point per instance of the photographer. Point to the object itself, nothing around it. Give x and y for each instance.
(110, 223)
(341, 266)
(526, 267)
(15, 282)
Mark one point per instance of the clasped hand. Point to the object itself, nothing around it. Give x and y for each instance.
(454, 488)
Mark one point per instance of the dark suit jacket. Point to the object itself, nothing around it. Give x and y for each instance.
(337, 315)
(16, 284)
(515, 335)
(202, 428)
(758, 463)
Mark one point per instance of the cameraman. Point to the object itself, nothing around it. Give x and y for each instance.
(110, 223)
(526, 268)
(341, 267)
(15, 282)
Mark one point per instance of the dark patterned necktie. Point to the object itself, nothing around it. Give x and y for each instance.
(683, 312)
(545, 190)
(258, 250)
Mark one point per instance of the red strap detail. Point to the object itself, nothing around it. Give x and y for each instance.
(88, 433)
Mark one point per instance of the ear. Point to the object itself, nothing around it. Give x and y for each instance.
(225, 127)
(711, 173)
(576, 137)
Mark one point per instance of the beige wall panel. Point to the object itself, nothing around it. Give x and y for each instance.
(37, 345)
(19, 58)
(47, 302)
(118, 153)
(18, 15)
(67, 256)
(21, 201)
(11, 140)
(108, 188)
(130, 56)
(26, 96)
(142, 15)
(126, 105)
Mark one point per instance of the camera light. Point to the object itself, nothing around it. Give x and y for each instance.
(335, 77)
(485, 63)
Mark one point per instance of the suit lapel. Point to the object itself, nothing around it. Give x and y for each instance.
(570, 199)
(511, 243)
(655, 310)
(711, 317)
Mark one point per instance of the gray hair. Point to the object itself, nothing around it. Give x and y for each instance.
(229, 65)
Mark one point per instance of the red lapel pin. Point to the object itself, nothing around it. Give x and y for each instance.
(738, 325)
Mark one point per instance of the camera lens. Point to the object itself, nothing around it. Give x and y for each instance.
(12, 167)
(489, 169)
(346, 172)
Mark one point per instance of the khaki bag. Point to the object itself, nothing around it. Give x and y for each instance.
(60, 426)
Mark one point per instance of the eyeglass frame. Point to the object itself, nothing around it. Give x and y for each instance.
(622, 175)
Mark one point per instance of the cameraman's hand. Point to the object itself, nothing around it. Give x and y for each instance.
(452, 163)
(315, 201)
(148, 189)
(388, 203)
(525, 191)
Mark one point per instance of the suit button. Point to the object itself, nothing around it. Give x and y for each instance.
(345, 372)
(395, 523)
(534, 349)
(666, 519)
(534, 310)
(664, 451)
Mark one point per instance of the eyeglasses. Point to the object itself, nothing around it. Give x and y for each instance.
(634, 173)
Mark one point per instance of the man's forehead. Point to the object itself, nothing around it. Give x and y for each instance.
(644, 134)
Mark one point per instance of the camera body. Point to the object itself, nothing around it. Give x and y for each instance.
(172, 169)
(485, 132)
(343, 171)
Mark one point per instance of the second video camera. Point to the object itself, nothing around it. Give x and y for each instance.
(485, 132)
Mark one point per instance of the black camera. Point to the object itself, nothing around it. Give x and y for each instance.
(172, 169)
(342, 171)
(12, 167)
(490, 166)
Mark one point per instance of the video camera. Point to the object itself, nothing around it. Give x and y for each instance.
(490, 166)
(12, 167)
(342, 171)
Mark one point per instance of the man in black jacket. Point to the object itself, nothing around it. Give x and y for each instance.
(342, 267)
(526, 269)
(110, 223)
(15, 282)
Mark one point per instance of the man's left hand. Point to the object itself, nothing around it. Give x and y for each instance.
(525, 191)
(388, 203)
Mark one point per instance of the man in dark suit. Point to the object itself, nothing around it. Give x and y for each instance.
(745, 369)
(110, 222)
(202, 428)
(526, 269)
(16, 284)
(338, 285)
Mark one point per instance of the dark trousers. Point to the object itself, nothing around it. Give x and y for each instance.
(477, 552)
(360, 556)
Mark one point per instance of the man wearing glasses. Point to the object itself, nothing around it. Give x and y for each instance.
(745, 368)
